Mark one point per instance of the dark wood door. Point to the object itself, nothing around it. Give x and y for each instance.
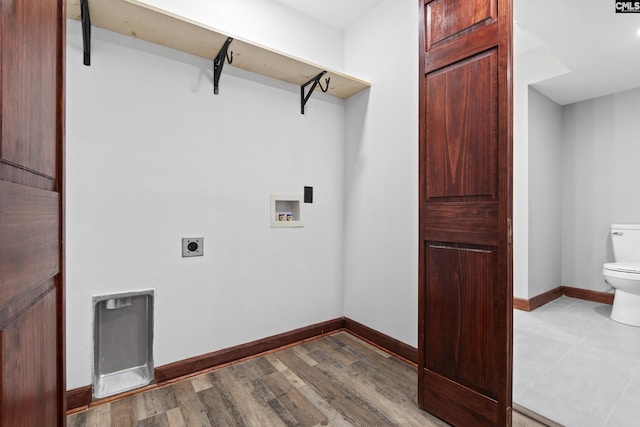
(465, 273)
(32, 383)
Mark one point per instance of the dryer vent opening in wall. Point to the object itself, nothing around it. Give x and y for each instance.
(123, 342)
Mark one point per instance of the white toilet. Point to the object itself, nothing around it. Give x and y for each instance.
(624, 273)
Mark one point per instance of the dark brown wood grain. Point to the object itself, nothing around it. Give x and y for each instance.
(450, 52)
(473, 222)
(450, 17)
(29, 239)
(587, 294)
(460, 287)
(31, 212)
(465, 173)
(18, 175)
(544, 298)
(29, 84)
(78, 397)
(462, 145)
(60, 184)
(538, 300)
(469, 408)
(20, 304)
(521, 304)
(29, 378)
(381, 340)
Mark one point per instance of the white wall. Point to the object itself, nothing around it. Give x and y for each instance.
(529, 67)
(153, 156)
(267, 23)
(596, 151)
(545, 201)
(381, 198)
(601, 182)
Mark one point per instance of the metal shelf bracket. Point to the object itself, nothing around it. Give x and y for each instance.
(86, 31)
(316, 82)
(218, 63)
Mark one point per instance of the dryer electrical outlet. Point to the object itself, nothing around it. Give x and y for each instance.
(192, 246)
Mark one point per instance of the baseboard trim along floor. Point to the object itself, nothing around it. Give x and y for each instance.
(81, 398)
(567, 291)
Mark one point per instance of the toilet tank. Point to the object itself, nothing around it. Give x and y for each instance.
(626, 242)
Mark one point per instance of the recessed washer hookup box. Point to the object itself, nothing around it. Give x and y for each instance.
(123, 342)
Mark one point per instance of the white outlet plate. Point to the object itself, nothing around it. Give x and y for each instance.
(192, 246)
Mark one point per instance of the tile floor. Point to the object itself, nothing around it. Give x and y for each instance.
(576, 366)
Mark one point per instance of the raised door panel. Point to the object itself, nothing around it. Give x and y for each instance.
(29, 93)
(461, 147)
(460, 286)
(29, 240)
(29, 372)
(448, 18)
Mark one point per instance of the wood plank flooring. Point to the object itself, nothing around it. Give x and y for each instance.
(336, 380)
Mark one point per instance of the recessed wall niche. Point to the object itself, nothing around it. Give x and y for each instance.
(286, 211)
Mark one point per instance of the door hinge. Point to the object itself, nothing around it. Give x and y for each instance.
(508, 423)
(509, 230)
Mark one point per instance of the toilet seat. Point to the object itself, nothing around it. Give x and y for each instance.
(622, 269)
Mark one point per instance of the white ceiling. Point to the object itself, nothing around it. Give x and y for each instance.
(336, 13)
(601, 48)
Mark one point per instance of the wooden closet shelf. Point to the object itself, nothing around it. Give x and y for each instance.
(136, 19)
